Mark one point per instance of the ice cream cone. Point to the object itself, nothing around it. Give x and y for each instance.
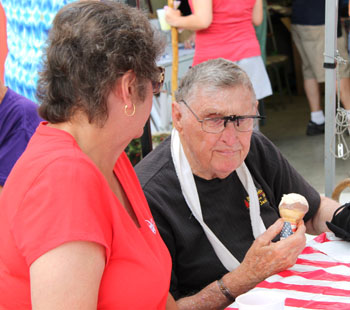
(292, 209)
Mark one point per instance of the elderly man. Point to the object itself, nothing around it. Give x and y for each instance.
(216, 184)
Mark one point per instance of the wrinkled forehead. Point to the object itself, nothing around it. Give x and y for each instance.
(233, 100)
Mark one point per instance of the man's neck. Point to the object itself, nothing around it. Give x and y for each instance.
(3, 90)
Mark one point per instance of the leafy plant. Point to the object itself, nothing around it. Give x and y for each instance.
(133, 150)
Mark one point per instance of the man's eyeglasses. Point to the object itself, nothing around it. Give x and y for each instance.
(157, 85)
(243, 123)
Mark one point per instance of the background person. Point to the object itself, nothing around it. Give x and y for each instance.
(215, 167)
(18, 121)
(308, 33)
(225, 29)
(76, 229)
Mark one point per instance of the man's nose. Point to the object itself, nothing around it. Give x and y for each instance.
(229, 134)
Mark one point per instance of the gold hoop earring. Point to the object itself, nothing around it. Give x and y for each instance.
(126, 112)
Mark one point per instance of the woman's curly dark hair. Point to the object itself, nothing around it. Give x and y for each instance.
(91, 45)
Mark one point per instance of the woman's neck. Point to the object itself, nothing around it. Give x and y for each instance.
(95, 142)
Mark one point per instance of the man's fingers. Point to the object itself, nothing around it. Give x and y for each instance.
(301, 229)
(271, 232)
(296, 242)
(265, 258)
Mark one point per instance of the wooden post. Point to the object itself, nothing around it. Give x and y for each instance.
(175, 65)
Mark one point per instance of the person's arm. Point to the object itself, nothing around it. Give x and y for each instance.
(317, 224)
(201, 18)
(68, 277)
(171, 303)
(262, 260)
(257, 16)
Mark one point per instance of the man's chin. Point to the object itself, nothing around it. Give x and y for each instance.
(224, 172)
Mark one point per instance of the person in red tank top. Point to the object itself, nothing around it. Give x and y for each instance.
(224, 29)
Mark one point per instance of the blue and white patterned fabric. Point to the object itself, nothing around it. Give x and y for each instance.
(28, 23)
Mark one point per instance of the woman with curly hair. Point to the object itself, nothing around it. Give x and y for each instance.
(76, 229)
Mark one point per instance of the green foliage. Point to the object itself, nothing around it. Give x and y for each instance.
(133, 150)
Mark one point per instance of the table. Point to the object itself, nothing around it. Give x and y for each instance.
(320, 279)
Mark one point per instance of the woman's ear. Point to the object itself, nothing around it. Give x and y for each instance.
(128, 87)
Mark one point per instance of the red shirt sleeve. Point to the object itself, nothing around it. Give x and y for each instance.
(68, 201)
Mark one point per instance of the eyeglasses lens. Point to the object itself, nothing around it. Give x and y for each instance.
(217, 125)
(244, 124)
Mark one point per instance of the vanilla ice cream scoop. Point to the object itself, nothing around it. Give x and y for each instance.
(292, 209)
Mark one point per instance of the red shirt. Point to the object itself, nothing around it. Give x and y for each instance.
(231, 35)
(55, 194)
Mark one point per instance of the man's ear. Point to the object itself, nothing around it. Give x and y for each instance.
(257, 105)
(176, 116)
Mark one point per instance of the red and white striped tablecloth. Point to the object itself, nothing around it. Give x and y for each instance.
(320, 279)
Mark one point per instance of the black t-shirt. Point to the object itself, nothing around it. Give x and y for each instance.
(184, 8)
(221, 207)
(224, 207)
(308, 12)
(313, 13)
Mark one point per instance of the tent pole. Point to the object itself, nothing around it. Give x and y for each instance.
(330, 92)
